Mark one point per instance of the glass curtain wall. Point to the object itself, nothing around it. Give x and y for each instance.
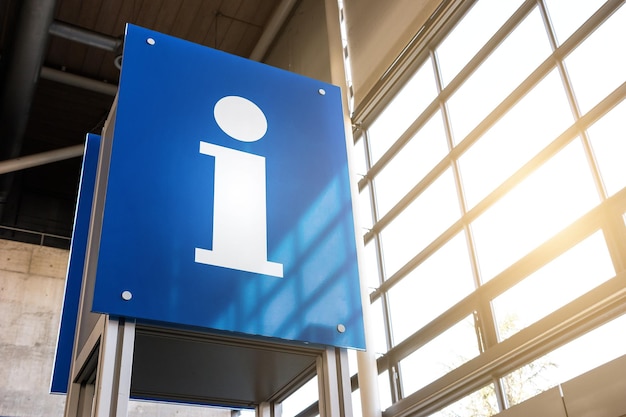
(493, 201)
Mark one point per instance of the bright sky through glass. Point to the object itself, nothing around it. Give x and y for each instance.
(609, 144)
(432, 288)
(569, 276)
(513, 61)
(514, 140)
(305, 395)
(403, 109)
(425, 149)
(551, 198)
(441, 355)
(598, 65)
(471, 33)
(569, 15)
(421, 222)
(573, 359)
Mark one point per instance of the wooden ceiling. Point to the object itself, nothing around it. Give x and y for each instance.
(42, 199)
(233, 26)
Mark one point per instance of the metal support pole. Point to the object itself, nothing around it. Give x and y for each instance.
(124, 367)
(366, 360)
(269, 409)
(263, 410)
(333, 376)
(104, 391)
(114, 369)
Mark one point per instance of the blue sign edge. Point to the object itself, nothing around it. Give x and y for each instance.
(73, 284)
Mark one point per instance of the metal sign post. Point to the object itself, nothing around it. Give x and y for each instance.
(220, 264)
(102, 384)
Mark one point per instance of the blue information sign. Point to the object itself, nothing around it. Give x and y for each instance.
(228, 202)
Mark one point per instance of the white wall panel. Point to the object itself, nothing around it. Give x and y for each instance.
(600, 392)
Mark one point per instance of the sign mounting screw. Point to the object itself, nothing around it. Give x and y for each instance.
(150, 41)
(322, 92)
(341, 328)
(127, 295)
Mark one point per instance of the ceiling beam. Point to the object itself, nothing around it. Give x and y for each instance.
(274, 25)
(78, 81)
(42, 158)
(86, 36)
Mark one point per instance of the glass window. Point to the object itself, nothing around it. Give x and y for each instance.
(302, 398)
(408, 167)
(384, 391)
(567, 362)
(352, 361)
(378, 326)
(365, 209)
(420, 223)
(520, 53)
(371, 266)
(402, 111)
(525, 130)
(359, 166)
(569, 15)
(465, 40)
(569, 276)
(609, 147)
(555, 193)
(441, 355)
(481, 403)
(597, 66)
(551, 198)
(356, 403)
(433, 287)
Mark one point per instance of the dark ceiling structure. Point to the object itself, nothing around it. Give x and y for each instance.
(59, 69)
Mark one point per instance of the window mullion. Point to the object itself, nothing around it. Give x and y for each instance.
(487, 332)
(613, 232)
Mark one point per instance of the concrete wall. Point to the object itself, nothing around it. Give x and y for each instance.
(31, 294)
(32, 281)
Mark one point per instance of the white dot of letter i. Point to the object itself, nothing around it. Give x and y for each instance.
(239, 201)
